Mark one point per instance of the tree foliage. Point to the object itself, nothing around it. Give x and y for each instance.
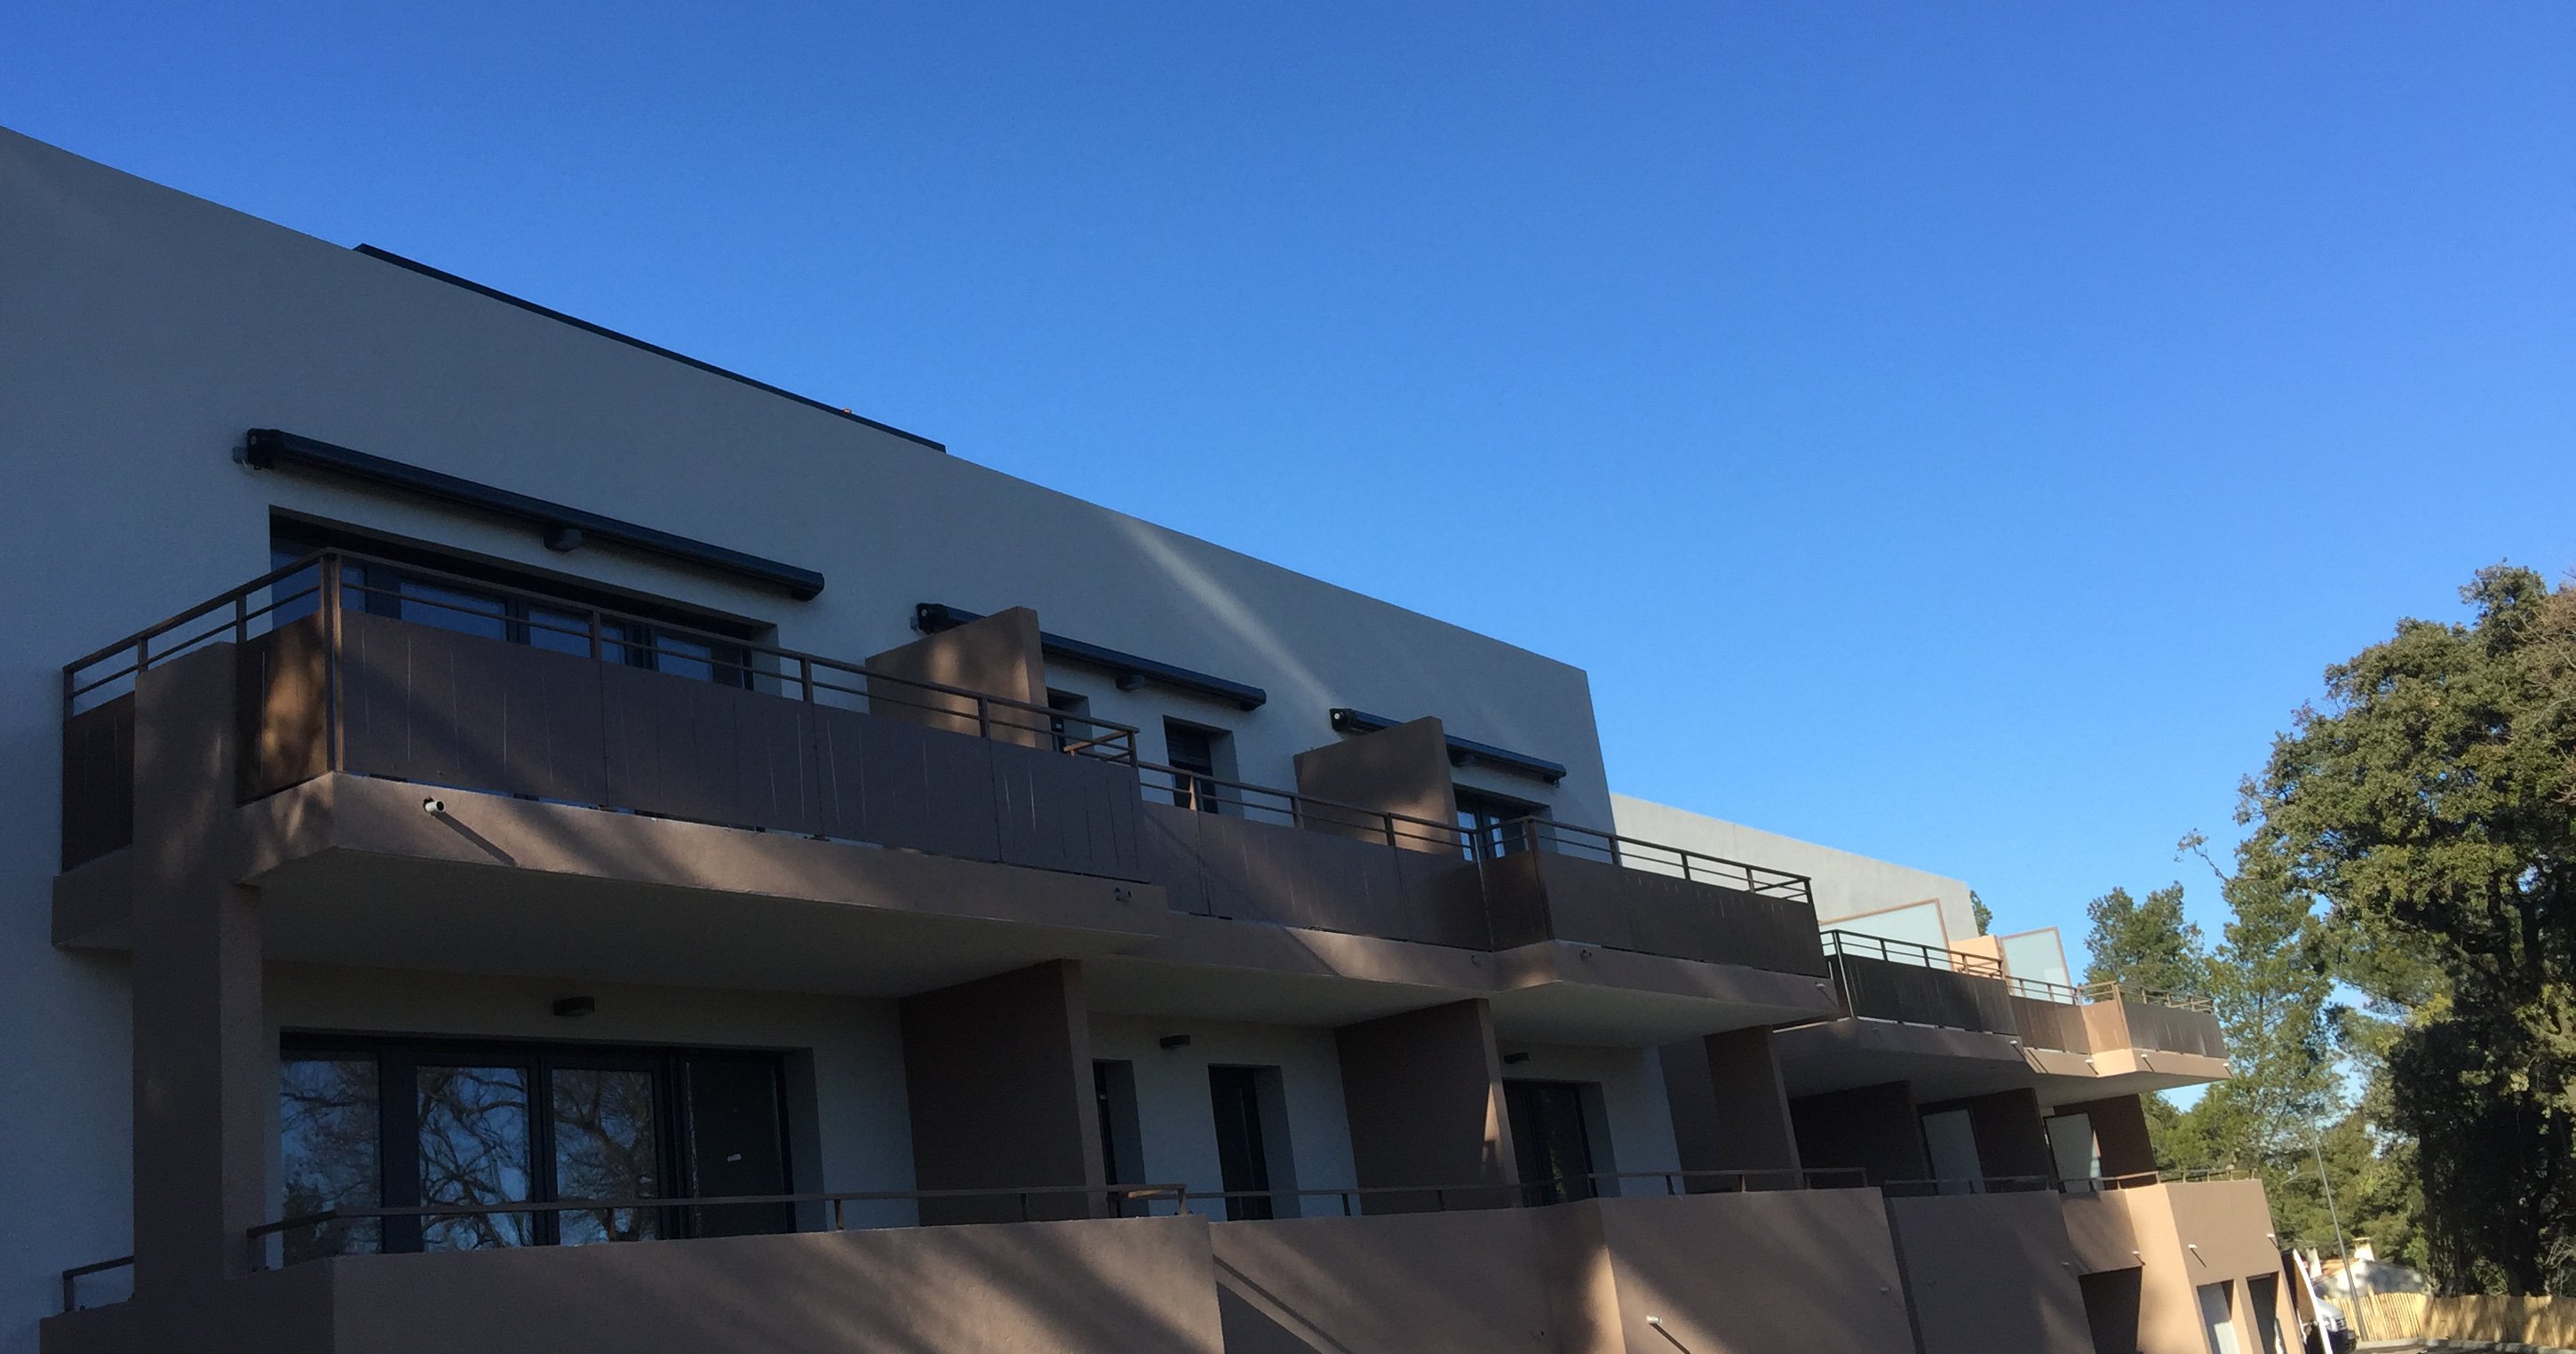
(2147, 944)
(2430, 806)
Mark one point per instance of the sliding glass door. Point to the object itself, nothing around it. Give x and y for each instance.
(397, 1123)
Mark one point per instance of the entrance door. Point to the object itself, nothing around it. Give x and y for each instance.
(1242, 1157)
(1549, 1140)
(737, 1143)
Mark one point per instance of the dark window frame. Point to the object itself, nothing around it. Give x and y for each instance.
(398, 1059)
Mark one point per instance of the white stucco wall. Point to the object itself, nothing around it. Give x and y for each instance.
(143, 331)
(1174, 1119)
(1846, 884)
(1632, 1099)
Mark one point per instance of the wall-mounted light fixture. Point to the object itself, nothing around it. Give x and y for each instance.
(1173, 1041)
(574, 1008)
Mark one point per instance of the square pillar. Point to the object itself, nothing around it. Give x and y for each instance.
(1404, 769)
(202, 1065)
(1729, 1110)
(997, 1077)
(1424, 1094)
(999, 655)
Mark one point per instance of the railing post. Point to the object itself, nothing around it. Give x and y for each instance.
(331, 584)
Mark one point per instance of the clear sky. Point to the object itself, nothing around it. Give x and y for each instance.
(1961, 433)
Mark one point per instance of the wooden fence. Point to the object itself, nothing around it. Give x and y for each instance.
(2547, 1322)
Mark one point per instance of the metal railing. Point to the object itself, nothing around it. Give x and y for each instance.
(332, 582)
(1539, 1193)
(1287, 808)
(73, 1276)
(2140, 1179)
(1965, 1185)
(1920, 955)
(1586, 843)
(1118, 1198)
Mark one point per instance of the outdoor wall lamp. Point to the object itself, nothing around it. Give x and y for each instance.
(433, 806)
(574, 1008)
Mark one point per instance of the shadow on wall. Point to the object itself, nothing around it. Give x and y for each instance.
(1990, 1272)
(1115, 1286)
(1744, 1274)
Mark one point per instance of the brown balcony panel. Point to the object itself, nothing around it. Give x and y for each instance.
(424, 704)
(1221, 865)
(1886, 990)
(98, 781)
(2172, 1029)
(440, 708)
(2050, 1024)
(1545, 895)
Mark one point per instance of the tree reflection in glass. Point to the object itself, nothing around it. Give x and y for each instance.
(605, 1149)
(474, 1151)
(327, 1127)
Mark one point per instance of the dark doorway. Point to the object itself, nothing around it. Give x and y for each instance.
(1241, 1155)
(1549, 1140)
(2111, 1310)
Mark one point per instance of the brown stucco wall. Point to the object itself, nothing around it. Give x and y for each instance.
(1110, 1286)
(999, 655)
(2229, 1222)
(1422, 1283)
(1404, 769)
(1809, 1272)
(1991, 1272)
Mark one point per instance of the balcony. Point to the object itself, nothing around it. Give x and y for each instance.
(531, 715)
(1546, 880)
(1917, 984)
(347, 665)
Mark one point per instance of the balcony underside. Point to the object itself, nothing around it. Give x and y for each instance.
(1553, 992)
(352, 870)
(1944, 1063)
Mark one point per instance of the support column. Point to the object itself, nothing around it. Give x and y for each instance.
(999, 655)
(201, 1056)
(1730, 1112)
(997, 1075)
(1404, 769)
(1872, 1127)
(1424, 1094)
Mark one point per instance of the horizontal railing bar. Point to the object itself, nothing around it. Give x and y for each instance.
(1122, 1193)
(1041, 718)
(188, 615)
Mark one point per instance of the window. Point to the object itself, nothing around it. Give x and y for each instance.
(399, 1123)
(1551, 1140)
(1200, 755)
(2071, 1144)
(1069, 718)
(1489, 822)
(2263, 1295)
(2218, 1317)
(423, 598)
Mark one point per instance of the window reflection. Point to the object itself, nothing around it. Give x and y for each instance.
(605, 1149)
(327, 1127)
(474, 1151)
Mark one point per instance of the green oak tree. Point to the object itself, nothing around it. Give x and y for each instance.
(2430, 805)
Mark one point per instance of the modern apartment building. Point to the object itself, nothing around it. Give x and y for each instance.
(521, 840)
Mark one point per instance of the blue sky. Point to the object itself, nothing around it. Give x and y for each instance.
(1958, 433)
